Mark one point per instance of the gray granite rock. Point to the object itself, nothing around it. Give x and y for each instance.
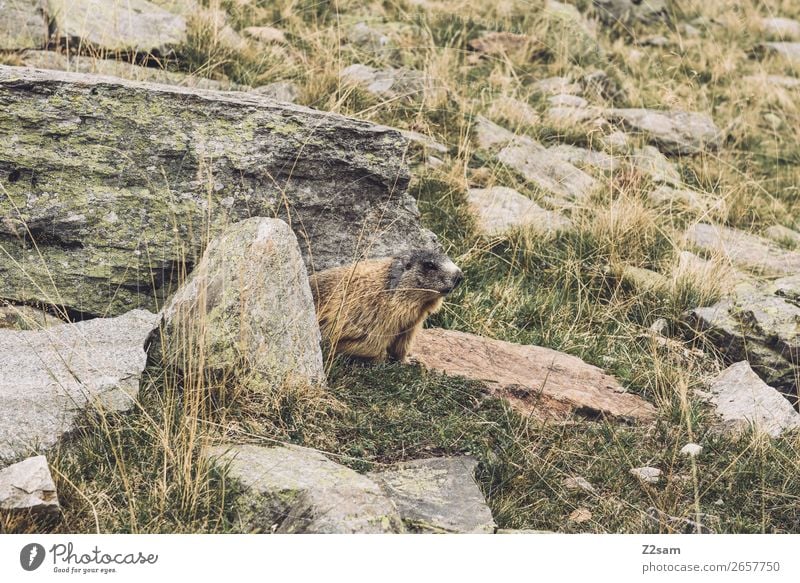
(489, 135)
(646, 474)
(247, 309)
(22, 25)
(583, 157)
(780, 28)
(48, 377)
(290, 489)
(742, 399)
(787, 50)
(557, 86)
(628, 11)
(783, 235)
(500, 209)
(672, 132)
(26, 318)
(389, 82)
(655, 165)
(28, 485)
(130, 26)
(285, 91)
(438, 495)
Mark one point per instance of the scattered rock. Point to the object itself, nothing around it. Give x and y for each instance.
(567, 100)
(579, 483)
(653, 163)
(568, 33)
(48, 377)
(291, 489)
(758, 81)
(628, 11)
(642, 279)
(673, 132)
(22, 26)
(646, 475)
(660, 327)
(564, 182)
(572, 116)
(265, 34)
(788, 50)
(582, 157)
(557, 86)
(387, 82)
(110, 245)
(742, 400)
(658, 41)
(284, 91)
(135, 26)
(26, 318)
(580, 515)
(226, 311)
(437, 495)
(781, 29)
(773, 121)
(689, 31)
(28, 485)
(504, 43)
(122, 69)
(618, 142)
(744, 250)
(366, 37)
(426, 142)
(783, 235)
(600, 85)
(692, 450)
(489, 135)
(518, 112)
(668, 196)
(500, 209)
(536, 381)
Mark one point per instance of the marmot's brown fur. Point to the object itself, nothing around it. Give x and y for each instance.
(372, 309)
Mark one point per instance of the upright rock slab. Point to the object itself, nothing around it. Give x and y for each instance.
(121, 183)
(48, 377)
(130, 26)
(247, 308)
(536, 381)
(28, 485)
(22, 25)
(438, 495)
(742, 399)
(298, 490)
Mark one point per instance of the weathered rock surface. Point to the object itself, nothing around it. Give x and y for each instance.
(646, 474)
(781, 28)
(247, 308)
(500, 209)
(298, 490)
(489, 135)
(387, 82)
(744, 250)
(788, 50)
(22, 25)
(136, 26)
(783, 235)
(564, 182)
(535, 380)
(438, 495)
(673, 132)
(627, 11)
(116, 219)
(583, 157)
(557, 86)
(279, 91)
(28, 485)
(742, 400)
(48, 377)
(122, 69)
(653, 163)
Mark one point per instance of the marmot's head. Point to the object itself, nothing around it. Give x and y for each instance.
(428, 273)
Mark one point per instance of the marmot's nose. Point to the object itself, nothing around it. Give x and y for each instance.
(459, 277)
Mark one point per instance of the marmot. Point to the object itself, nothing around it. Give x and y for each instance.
(372, 309)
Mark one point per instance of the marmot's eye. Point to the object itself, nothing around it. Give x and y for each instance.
(429, 265)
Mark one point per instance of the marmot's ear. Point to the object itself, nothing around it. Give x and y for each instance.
(396, 272)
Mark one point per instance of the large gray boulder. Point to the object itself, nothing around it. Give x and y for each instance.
(136, 26)
(438, 495)
(120, 184)
(48, 377)
(291, 489)
(248, 310)
(22, 25)
(28, 485)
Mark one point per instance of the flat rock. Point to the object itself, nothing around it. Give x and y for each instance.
(781, 235)
(227, 310)
(570, 116)
(567, 100)
(744, 250)
(650, 161)
(438, 495)
(758, 81)
(628, 11)
(490, 135)
(557, 86)
(787, 287)
(142, 175)
(646, 474)
(534, 380)
(121, 69)
(389, 82)
(742, 399)
(583, 157)
(564, 182)
(48, 377)
(692, 450)
(28, 485)
(667, 196)
(285, 91)
(22, 25)
(136, 26)
(672, 132)
(500, 209)
(291, 489)
(788, 50)
(780, 28)
(775, 319)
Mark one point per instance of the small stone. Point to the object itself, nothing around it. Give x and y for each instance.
(659, 327)
(284, 91)
(265, 34)
(387, 82)
(579, 483)
(773, 121)
(566, 100)
(580, 515)
(364, 36)
(426, 142)
(788, 50)
(689, 31)
(647, 475)
(557, 86)
(616, 142)
(489, 135)
(499, 209)
(781, 28)
(28, 485)
(691, 449)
